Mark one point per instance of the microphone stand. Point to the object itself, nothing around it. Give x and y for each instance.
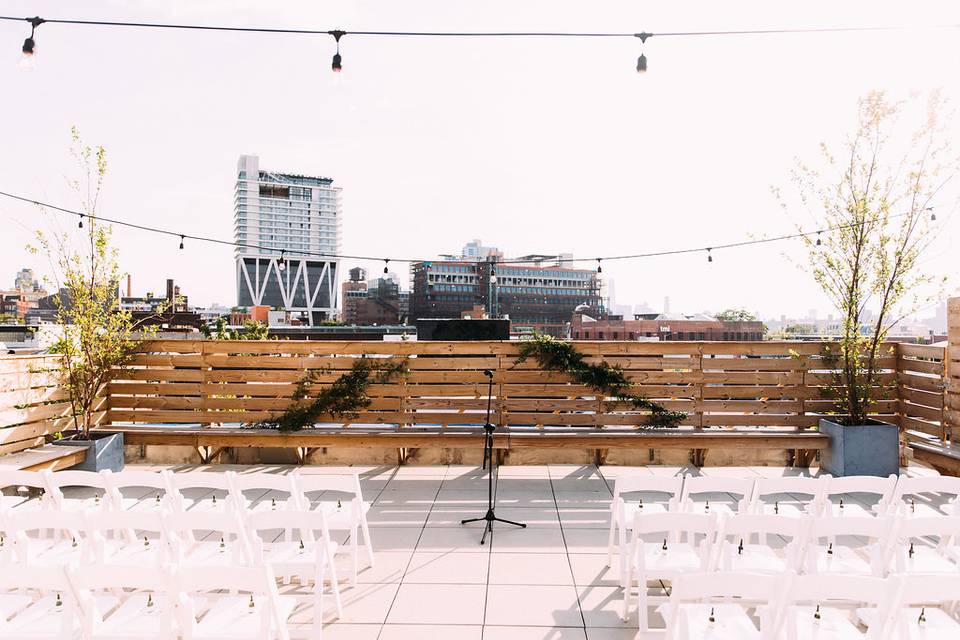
(490, 516)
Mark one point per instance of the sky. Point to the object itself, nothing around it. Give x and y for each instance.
(532, 145)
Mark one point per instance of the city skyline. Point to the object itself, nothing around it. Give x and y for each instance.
(484, 145)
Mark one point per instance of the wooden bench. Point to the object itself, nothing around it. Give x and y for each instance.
(52, 456)
(942, 457)
(209, 442)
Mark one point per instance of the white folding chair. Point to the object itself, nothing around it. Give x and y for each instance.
(208, 538)
(832, 501)
(130, 538)
(847, 545)
(826, 607)
(787, 495)
(926, 496)
(48, 538)
(93, 487)
(23, 490)
(659, 495)
(264, 491)
(140, 490)
(302, 547)
(254, 609)
(925, 607)
(759, 543)
(52, 611)
(680, 543)
(142, 608)
(341, 499)
(716, 494)
(716, 605)
(925, 545)
(202, 491)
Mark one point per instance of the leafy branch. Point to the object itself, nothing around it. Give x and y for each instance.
(609, 380)
(344, 398)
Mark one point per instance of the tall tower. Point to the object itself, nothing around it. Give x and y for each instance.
(291, 226)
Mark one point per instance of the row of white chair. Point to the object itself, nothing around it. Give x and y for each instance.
(115, 602)
(792, 606)
(292, 542)
(666, 545)
(340, 496)
(822, 495)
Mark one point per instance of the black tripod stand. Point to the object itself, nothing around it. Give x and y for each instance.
(489, 517)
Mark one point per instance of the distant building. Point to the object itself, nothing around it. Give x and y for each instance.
(370, 302)
(292, 221)
(662, 326)
(535, 292)
(25, 281)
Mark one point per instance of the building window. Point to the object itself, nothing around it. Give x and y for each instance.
(586, 335)
(632, 335)
(600, 335)
(680, 335)
(615, 335)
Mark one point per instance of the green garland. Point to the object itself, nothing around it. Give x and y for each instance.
(344, 398)
(562, 356)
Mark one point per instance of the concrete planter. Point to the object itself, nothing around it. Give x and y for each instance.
(105, 452)
(861, 450)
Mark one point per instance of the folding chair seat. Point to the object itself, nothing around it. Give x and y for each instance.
(924, 608)
(707, 494)
(132, 489)
(341, 498)
(832, 545)
(92, 490)
(143, 610)
(52, 610)
(717, 605)
(759, 543)
(679, 543)
(825, 607)
(302, 547)
(787, 496)
(48, 538)
(202, 491)
(130, 539)
(925, 545)
(264, 491)
(834, 502)
(926, 496)
(254, 609)
(633, 495)
(208, 538)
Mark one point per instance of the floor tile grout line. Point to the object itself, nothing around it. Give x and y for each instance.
(413, 551)
(566, 552)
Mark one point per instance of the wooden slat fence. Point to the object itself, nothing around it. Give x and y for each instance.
(952, 372)
(920, 385)
(768, 385)
(32, 406)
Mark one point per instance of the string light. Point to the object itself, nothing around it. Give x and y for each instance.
(281, 266)
(337, 59)
(642, 60)
(27, 61)
(386, 261)
(933, 216)
(493, 274)
(599, 268)
(818, 239)
(386, 265)
(80, 225)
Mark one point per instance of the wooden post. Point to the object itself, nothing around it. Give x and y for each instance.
(951, 368)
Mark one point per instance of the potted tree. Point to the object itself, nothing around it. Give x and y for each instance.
(99, 337)
(872, 202)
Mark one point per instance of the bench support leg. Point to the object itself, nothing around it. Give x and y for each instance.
(698, 457)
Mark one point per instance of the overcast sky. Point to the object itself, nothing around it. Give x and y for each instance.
(535, 146)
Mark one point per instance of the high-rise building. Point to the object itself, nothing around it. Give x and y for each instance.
(25, 281)
(291, 224)
(536, 292)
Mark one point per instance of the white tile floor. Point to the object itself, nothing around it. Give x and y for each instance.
(432, 578)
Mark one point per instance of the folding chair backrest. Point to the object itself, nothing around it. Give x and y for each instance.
(883, 487)
(228, 527)
(14, 478)
(44, 580)
(282, 482)
(97, 480)
(96, 578)
(62, 525)
(253, 581)
(935, 588)
(308, 525)
(748, 526)
(40, 578)
(814, 588)
(693, 587)
(129, 525)
(311, 483)
(879, 528)
(942, 486)
(803, 485)
(741, 488)
(139, 484)
(676, 526)
(671, 486)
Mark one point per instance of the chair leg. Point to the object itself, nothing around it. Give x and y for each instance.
(317, 632)
(623, 556)
(625, 613)
(613, 528)
(642, 622)
(354, 554)
(366, 539)
(335, 585)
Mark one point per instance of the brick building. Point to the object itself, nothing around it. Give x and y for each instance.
(371, 302)
(663, 326)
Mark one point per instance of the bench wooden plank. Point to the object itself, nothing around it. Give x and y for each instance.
(52, 456)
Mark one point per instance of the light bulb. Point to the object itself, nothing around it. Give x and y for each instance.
(642, 64)
(28, 60)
